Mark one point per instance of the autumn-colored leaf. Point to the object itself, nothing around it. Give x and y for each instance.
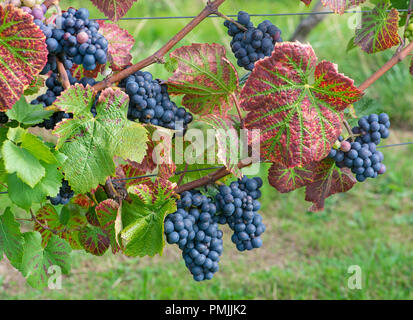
(50, 222)
(114, 9)
(286, 179)
(307, 2)
(328, 180)
(23, 54)
(94, 240)
(107, 212)
(378, 30)
(83, 201)
(120, 45)
(339, 6)
(79, 72)
(297, 104)
(205, 77)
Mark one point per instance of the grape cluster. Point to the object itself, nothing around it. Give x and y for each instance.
(73, 38)
(3, 118)
(193, 228)
(239, 207)
(361, 156)
(55, 88)
(64, 195)
(255, 43)
(150, 102)
(34, 7)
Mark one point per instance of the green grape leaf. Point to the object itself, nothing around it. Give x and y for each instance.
(120, 45)
(114, 9)
(143, 218)
(89, 143)
(297, 104)
(28, 114)
(328, 180)
(48, 217)
(107, 213)
(23, 54)
(37, 148)
(37, 260)
(21, 161)
(94, 240)
(35, 86)
(205, 77)
(11, 239)
(378, 30)
(24, 196)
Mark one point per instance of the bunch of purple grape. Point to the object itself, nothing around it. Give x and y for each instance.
(362, 156)
(253, 44)
(73, 38)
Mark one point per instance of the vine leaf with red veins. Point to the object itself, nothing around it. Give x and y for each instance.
(94, 240)
(114, 9)
(378, 30)
(328, 180)
(205, 77)
(120, 45)
(286, 179)
(23, 54)
(299, 119)
(48, 217)
(108, 212)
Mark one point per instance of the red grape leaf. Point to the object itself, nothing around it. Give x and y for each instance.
(94, 240)
(286, 179)
(307, 2)
(205, 77)
(114, 9)
(328, 180)
(120, 45)
(411, 67)
(92, 218)
(299, 118)
(339, 6)
(83, 201)
(227, 142)
(79, 72)
(23, 54)
(49, 218)
(107, 212)
(378, 30)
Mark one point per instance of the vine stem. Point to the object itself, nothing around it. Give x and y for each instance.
(158, 56)
(211, 178)
(63, 74)
(236, 101)
(240, 26)
(387, 66)
(348, 128)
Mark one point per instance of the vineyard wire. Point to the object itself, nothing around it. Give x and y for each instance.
(252, 15)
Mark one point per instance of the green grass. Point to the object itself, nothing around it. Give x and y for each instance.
(305, 255)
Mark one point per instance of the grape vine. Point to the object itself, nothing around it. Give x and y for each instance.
(98, 177)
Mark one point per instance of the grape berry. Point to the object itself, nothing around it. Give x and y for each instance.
(64, 195)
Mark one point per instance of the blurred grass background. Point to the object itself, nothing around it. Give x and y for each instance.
(305, 255)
